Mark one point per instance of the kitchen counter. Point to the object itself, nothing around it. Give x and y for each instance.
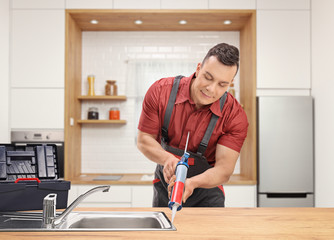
(216, 223)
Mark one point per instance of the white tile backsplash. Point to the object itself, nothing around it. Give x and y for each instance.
(112, 148)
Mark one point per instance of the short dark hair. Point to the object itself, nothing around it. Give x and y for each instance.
(225, 53)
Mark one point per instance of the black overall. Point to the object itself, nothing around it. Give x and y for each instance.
(201, 197)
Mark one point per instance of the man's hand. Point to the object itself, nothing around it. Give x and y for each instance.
(188, 188)
(171, 184)
(169, 167)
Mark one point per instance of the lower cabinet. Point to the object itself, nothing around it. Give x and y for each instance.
(141, 196)
(118, 196)
(240, 196)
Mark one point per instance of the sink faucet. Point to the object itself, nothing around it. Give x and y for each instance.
(50, 220)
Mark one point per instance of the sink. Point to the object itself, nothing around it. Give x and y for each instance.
(50, 220)
(89, 221)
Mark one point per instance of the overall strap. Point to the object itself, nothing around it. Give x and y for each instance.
(204, 143)
(169, 109)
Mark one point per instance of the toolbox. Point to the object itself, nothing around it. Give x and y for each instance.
(28, 173)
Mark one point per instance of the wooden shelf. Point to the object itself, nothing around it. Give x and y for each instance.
(103, 97)
(102, 121)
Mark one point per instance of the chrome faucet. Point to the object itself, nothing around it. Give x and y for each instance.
(50, 220)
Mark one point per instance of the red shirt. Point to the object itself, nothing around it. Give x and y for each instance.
(230, 130)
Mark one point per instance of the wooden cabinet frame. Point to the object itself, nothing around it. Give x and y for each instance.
(78, 21)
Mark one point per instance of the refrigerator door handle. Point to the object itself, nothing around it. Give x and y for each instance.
(286, 195)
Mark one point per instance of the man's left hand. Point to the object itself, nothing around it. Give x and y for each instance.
(188, 189)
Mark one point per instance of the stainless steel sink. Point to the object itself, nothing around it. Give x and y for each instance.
(89, 221)
(50, 220)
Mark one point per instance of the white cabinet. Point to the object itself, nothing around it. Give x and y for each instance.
(38, 4)
(37, 108)
(118, 196)
(283, 49)
(142, 196)
(283, 4)
(38, 48)
(184, 4)
(4, 72)
(89, 4)
(37, 66)
(235, 4)
(135, 4)
(240, 195)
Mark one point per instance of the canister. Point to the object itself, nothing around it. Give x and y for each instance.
(93, 113)
(114, 113)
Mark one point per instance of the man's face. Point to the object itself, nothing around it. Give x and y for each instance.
(212, 80)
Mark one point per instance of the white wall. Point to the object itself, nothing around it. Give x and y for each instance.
(4, 72)
(322, 90)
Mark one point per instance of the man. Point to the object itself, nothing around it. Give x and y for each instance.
(198, 104)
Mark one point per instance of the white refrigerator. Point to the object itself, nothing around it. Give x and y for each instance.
(285, 151)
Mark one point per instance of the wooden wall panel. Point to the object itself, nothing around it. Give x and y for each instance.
(73, 50)
(248, 96)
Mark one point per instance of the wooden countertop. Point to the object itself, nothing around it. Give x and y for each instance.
(215, 223)
(139, 179)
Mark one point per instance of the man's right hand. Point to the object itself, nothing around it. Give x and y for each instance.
(169, 167)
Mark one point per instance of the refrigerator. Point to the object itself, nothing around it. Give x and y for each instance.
(285, 151)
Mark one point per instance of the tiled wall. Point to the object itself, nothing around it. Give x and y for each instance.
(112, 148)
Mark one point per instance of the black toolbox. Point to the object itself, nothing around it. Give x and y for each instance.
(27, 174)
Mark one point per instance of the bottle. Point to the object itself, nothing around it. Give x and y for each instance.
(91, 80)
(232, 90)
(114, 113)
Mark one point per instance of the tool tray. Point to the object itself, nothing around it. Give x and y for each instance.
(27, 174)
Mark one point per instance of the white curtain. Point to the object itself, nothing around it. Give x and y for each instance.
(146, 72)
(143, 73)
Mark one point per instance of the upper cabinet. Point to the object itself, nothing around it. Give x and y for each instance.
(283, 4)
(90, 4)
(38, 4)
(38, 43)
(283, 49)
(184, 4)
(37, 64)
(4, 70)
(37, 108)
(235, 4)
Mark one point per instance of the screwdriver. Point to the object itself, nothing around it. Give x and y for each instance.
(175, 202)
